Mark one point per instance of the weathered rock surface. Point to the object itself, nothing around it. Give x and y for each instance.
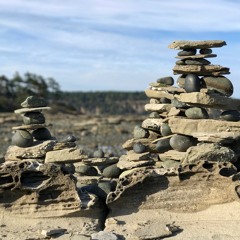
(158, 107)
(206, 129)
(26, 110)
(196, 44)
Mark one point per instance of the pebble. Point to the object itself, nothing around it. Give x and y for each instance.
(181, 143)
(98, 154)
(42, 134)
(139, 148)
(187, 52)
(86, 170)
(140, 132)
(221, 84)
(69, 138)
(154, 115)
(197, 62)
(33, 102)
(192, 83)
(165, 130)
(33, 118)
(22, 138)
(112, 171)
(230, 115)
(205, 51)
(163, 145)
(196, 113)
(166, 80)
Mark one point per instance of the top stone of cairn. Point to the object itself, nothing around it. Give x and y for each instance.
(197, 44)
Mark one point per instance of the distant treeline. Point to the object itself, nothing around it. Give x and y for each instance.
(14, 90)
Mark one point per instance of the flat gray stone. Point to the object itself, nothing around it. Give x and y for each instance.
(197, 56)
(102, 235)
(25, 110)
(181, 44)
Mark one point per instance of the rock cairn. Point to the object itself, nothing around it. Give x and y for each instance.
(192, 122)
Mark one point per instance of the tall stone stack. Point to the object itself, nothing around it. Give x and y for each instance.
(195, 121)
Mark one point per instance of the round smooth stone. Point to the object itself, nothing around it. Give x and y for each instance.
(33, 102)
(220, 84)
(140, 132)
(165, 100)
(112, 171)
(192, 83)
(98, 153)
(181, 80)
(86, 170)
(154, 115)
(180, 62)
(33, 118)
(68, 168)
(42, 134)
(166, 80)
(196, 113)
(187, 52)
(163, 145)
(197, 62)
(165, 130)
(230, 115)
(178, 104)
(205, 51)
(139, 148)
(22, 138)
(181, 143)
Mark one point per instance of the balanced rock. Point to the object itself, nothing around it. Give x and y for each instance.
(181, 143)
(33, 118)
(165, 129)
(166, 80)
(196, 113)
(34, 102)
(41, 134)
(205, 51)
(86, 170)
(112, 171)
(22, 138)
(140, 132)
(139, 148)
(221, 84)
(192, 83)
(187, 52)
(196, 44)
(163, 145)
(98, 154)
(197, 62)
(230, 115)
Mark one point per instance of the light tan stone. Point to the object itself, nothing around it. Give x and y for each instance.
(30, 126)
(209, 100)
(206, 129)
(100, 161)
(132, 156)
(25, 110)
(204, 70)
(65, 156)
(153, 123)
(128, 145)
(182, 44)
(158, 94)
(172, 155)
(158, 107)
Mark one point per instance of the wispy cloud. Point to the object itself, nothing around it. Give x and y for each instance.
(107, 44)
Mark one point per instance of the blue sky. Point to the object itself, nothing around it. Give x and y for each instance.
(112, 44)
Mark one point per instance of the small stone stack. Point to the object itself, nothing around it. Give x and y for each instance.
(195, 121)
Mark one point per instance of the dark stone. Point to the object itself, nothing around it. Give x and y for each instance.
(192, 83)
(139, 148)
(22, 138)
(163, 145)
(187, 52)
(197, 62)
(165, 100)
(154, 115)
(181, 143)
(140, 132)
(86, 170)
(178, 104)
(205, 51)
(112, 171)
(33, 118)
(165, 130)
(196, 113)
(33, 102)
(230, 115)
(180, 62)
(166, 80)
(181, 80)
(98, 154)
(220, 84)
(42, 134)
(68, 168)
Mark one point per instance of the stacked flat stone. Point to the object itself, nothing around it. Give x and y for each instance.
(195, 121)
